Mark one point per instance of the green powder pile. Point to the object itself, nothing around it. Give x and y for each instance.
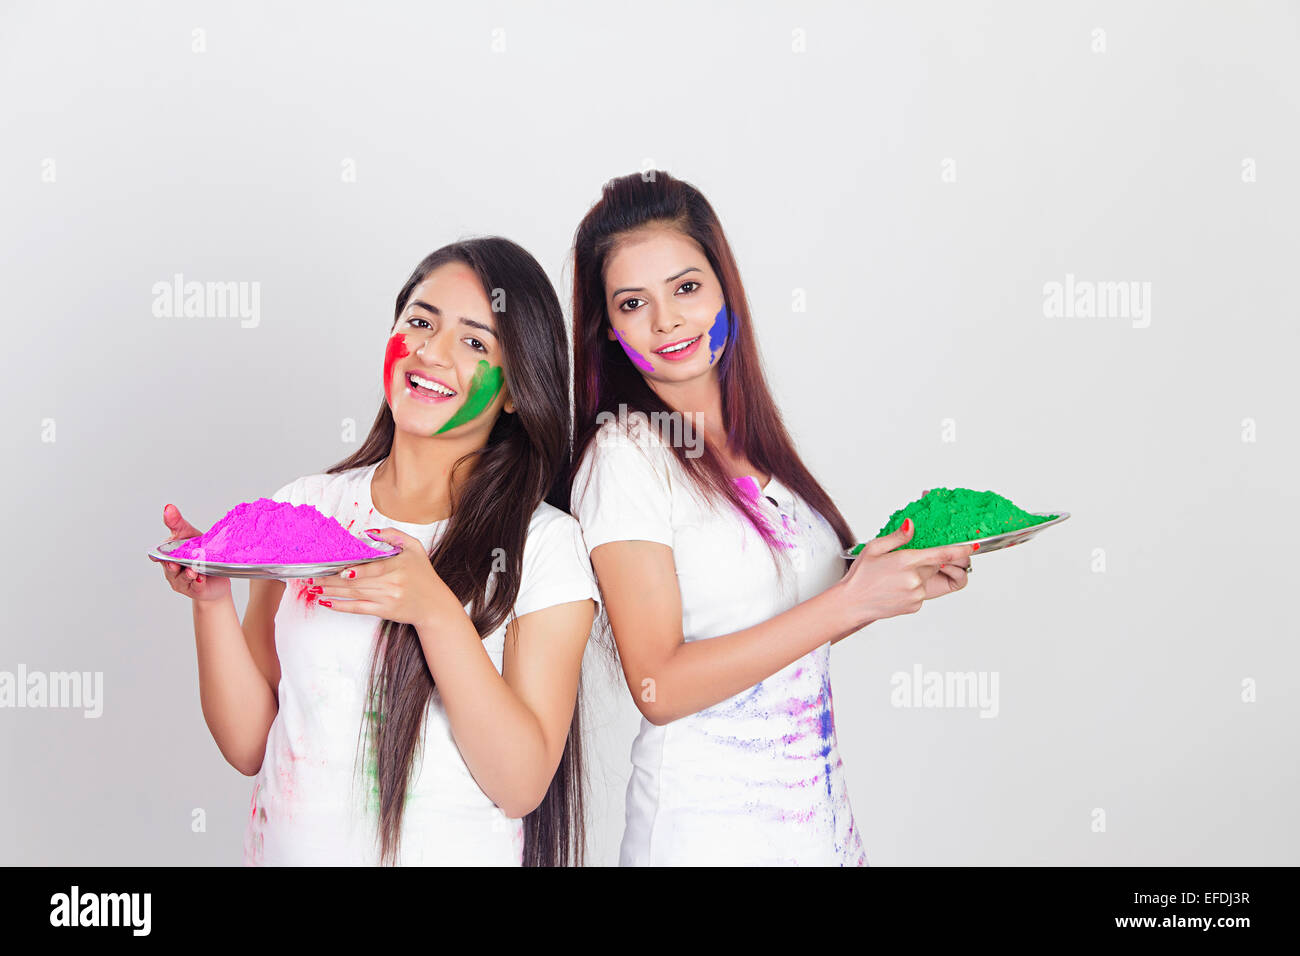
(952, 515)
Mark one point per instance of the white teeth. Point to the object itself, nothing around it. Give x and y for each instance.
(677, 348)
(432, 386)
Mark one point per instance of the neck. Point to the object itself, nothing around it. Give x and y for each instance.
(414, 483)
(701, 400)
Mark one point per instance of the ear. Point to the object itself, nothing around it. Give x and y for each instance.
(508, 403)
(609, 334)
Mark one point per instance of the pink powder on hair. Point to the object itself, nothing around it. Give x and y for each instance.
(276, 532)
(748, 486)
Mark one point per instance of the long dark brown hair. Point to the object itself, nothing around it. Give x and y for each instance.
(524, 462)
(604, 379)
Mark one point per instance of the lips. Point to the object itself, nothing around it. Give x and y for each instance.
(428, 394)
(671, 345)
(691, 345)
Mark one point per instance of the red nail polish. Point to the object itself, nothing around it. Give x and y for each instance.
(326, 603)
(907, 524)
(976, 548)
(316, 590)
(368, 530)
(350, 573)
(311, 580)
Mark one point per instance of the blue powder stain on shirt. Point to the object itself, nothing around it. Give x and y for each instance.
(826, 727)
(740, 704)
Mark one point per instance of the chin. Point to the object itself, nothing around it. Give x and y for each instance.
(417, 424)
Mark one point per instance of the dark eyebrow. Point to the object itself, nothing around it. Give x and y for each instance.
(616, 292)
(463, 320)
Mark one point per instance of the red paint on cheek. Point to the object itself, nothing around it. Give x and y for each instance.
(396, 350)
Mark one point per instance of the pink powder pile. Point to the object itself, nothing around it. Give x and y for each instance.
(276, 532)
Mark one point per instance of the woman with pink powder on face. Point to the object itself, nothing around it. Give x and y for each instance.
(718, 554)
(423, 709)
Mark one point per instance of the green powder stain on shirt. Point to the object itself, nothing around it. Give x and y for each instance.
(372, 764)
(953, 515)
(483, 388)
(373, 717)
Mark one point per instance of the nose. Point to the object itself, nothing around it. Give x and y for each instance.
(666, 318)
(436, 348)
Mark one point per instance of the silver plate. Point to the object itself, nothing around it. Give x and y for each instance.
(1005, 540)
(277, 571)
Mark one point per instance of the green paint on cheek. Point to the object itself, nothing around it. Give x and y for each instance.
(483, 388)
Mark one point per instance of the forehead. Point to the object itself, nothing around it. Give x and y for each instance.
(454, 289)
(650, 255)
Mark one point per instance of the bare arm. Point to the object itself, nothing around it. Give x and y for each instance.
(511, 727)
(670, 678)
(236, 694)
(264, 597)
(239, 671)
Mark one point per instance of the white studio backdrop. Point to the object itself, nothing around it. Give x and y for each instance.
(924, 198)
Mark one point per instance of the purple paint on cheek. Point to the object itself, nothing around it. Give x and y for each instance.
(719, 331)
(637, 358)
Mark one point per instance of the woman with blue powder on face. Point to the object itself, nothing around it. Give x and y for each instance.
(719, 556)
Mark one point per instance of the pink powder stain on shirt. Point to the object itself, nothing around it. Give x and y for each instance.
(797, 816)
(305, 595)
(748, 486)
(287, 767)
(276, 532)
(252, 804)
(254, 842)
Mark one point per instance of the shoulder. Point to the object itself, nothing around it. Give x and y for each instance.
(556, 568)
(550, 529)
(625, 443)
(633, 428)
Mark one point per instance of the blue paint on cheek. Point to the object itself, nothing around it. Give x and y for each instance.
(719, 331)
(637, 358)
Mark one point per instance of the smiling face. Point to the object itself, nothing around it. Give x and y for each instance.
(444, 369)
(665, 305)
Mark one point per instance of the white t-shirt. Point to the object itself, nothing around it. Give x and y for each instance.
(755, 779)
(314, 800)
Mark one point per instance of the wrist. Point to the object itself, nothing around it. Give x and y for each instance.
(851, 615)
(213, 602)
(442, 611)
